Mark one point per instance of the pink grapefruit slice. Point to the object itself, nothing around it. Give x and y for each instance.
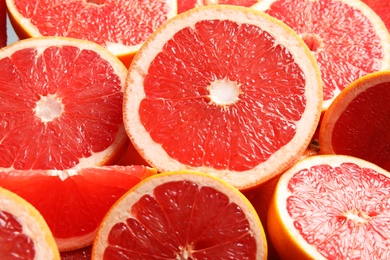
(225, 90)
(73, 202)
(60, 104)
(24, 234)
(181, 215)
(348, 39)
(331, 207)
(120, 26)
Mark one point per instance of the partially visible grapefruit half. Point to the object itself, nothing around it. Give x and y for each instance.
(348, 39)
(357, 123)
(225, 90)
(120, 26)
(74, 202)
(24, 234)
(331, 207)
(181, 215)
(60, 104)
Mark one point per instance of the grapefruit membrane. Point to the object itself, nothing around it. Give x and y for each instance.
(347, 38)
(24, 234)
(331, 207)
(357, 123)
(225, 90)
(181, 215)
(60, 104)
(73, 202)
(120, 26)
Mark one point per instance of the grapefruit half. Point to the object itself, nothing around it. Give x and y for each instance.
(181, 215)
(347, 38)
(225, 90)
(24, 234)
(331, 207)
(60, 104)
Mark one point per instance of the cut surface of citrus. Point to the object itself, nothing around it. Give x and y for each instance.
(357, 123)
(348, 39)
(181, 215)
(60, 104)
(73, 202)
(24, 233)
(185, 5)
(225, 90)
(331, 207)
(119, 25)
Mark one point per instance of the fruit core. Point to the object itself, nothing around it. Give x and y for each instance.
(357, 216)
(224, 92)
(313, 41)
(48, 108)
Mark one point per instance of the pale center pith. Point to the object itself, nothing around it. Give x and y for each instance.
(224, 92)
(48, 108)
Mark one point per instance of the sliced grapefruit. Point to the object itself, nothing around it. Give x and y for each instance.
(60, 104)
(73, 202)
(348, 39)
(181, 215)
(120, 26)
(225, 90)
(24, 233)
(185, 5)
(357, 123)
(331, 207)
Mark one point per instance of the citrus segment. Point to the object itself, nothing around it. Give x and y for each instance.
(73, 202)
(181, 215)
(225, 90)
(120, 26)
(331, 207)
(61, 104)
(348, 39)
(358, 121)
(24, 233)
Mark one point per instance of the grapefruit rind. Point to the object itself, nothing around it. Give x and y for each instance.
(112, 153)
(33, 224)
(120, 211)
(379, 26)
(283, 234)
(156, 156)
(340, 104)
